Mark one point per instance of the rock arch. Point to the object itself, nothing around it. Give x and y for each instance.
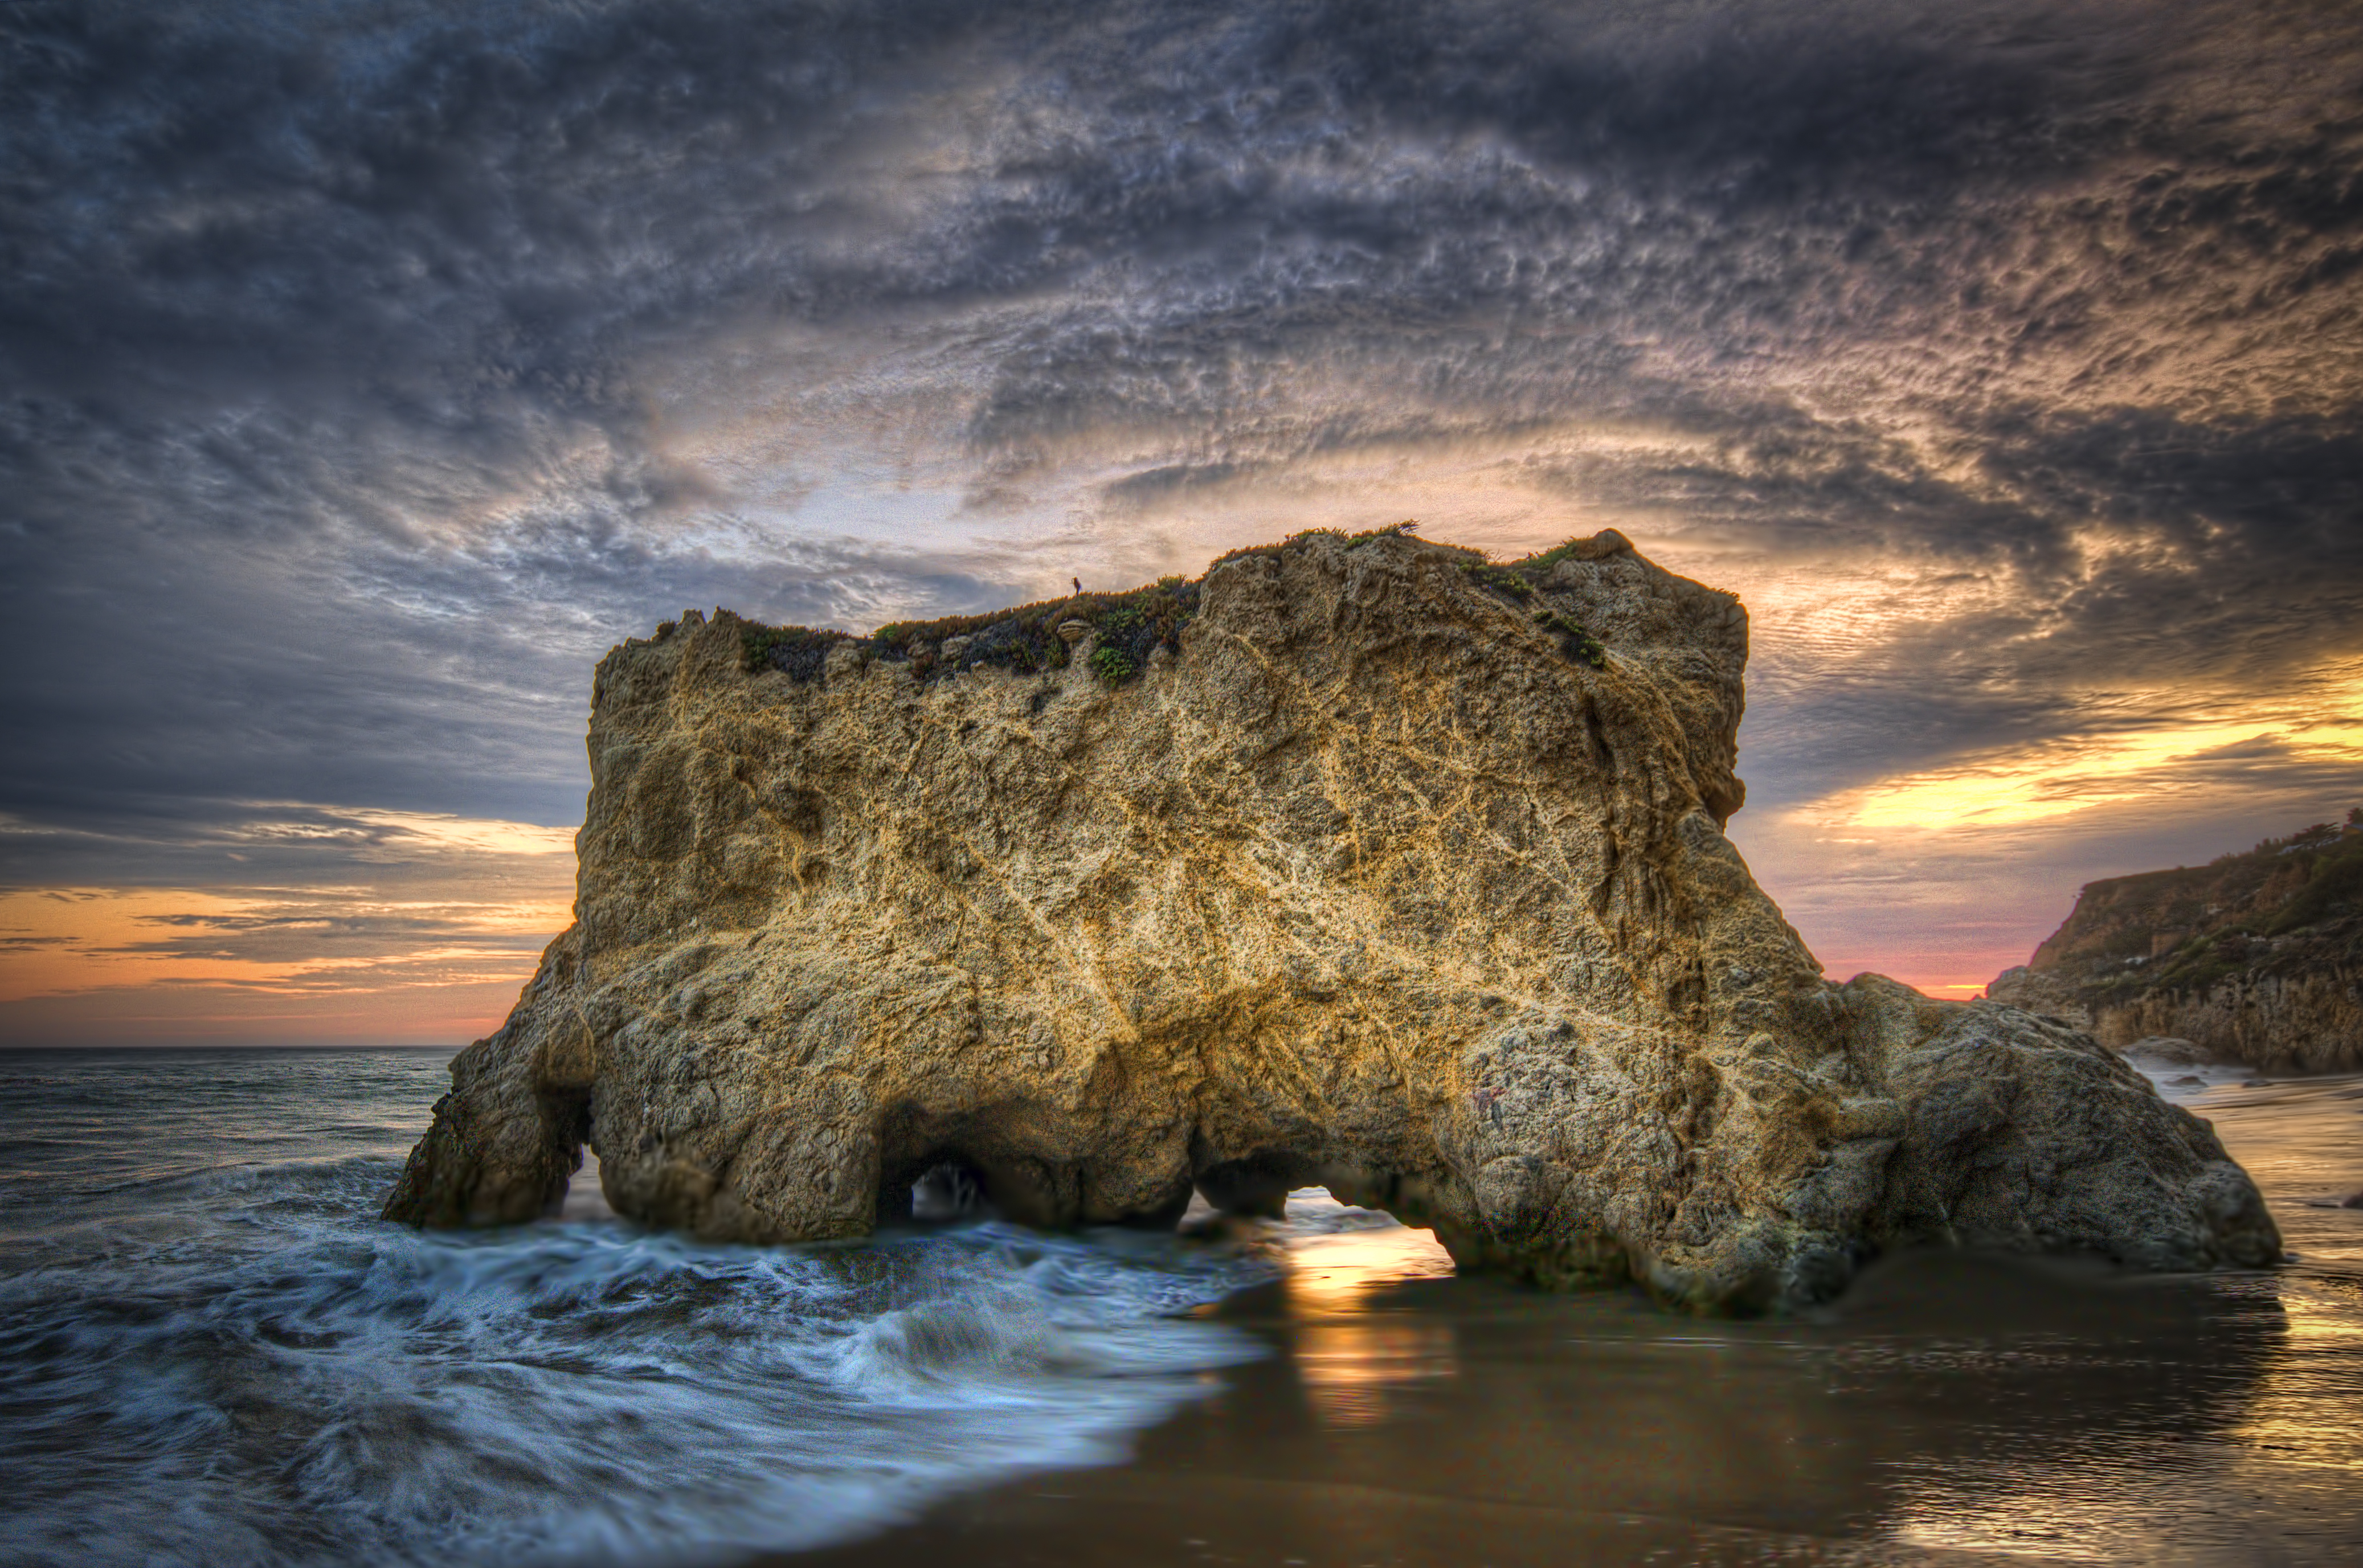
(1371, 863)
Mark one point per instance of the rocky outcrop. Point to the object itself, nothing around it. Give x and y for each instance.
(1362, 861)
(2255, 957)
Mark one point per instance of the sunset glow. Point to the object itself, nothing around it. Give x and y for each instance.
(1999, 359)
(2317, 724)
(424, 928)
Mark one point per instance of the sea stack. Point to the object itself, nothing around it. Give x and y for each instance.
(1360, 861)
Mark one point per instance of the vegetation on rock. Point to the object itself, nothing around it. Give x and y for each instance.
(1575, 642)
(1112, 666)
(1500, 579)
(797, 651)
(1125, 627)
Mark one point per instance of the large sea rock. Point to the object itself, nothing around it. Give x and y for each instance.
(1359, 861)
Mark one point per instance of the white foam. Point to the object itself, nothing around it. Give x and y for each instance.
(275, 1378)
(2181, 1082)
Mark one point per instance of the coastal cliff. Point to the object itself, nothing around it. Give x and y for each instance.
(2254, 957)
(1362, 861)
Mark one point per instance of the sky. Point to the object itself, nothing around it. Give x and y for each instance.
(368, 368)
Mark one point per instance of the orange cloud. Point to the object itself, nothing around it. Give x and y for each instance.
(2315, 720)
(431, 925)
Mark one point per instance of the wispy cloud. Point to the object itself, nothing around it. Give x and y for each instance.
(346, 909)
(373, 368)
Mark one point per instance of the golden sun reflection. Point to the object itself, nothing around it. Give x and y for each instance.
(2205, 1493)
(1352, 1353)
(2202, 1498)
(2285, 1418)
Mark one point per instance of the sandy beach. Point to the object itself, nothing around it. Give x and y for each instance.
(1950, 1409)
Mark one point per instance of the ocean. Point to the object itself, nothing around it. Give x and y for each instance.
(213, 1352)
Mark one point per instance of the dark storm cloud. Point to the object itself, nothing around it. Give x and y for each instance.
(462, 226)
(2231, 562)
(373, 367)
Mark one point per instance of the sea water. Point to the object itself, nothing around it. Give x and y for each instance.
(212, 1351)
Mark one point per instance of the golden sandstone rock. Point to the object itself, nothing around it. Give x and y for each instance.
(1404, 874)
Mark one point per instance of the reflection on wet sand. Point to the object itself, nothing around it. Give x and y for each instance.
(2301, 1139)
(2275, 1479)
(1347, 1356)
(1953, 1407)
(2314, 1368)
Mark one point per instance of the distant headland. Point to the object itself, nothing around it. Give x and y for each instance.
(2255, 957)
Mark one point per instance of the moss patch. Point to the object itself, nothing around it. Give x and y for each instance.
(1574, 641)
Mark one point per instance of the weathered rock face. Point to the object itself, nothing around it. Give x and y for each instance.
(1389, 878)
(2256, 957)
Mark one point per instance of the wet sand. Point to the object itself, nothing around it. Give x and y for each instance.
(1950, 1409)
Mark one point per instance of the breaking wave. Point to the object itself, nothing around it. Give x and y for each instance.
(241, 1365)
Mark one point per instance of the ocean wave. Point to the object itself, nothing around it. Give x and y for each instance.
(258, 1371)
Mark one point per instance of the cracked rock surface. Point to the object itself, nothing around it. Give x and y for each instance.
(1373, 885)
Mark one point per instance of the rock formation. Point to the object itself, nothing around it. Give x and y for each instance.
(1360, 861)
(2255, 957)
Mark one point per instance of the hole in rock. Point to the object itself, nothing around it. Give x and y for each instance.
(1357, 1350)
(928, 1182)
(1257, 1186)
(566, 1135)
(584, 1197)
(1339, 1252)
(936, 1170)
(947, 1193)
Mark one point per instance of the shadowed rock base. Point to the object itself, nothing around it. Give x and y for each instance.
(1405, 876)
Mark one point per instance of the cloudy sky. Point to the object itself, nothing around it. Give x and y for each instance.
(368, 368)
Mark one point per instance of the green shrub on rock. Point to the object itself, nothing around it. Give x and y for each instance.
(1112, 666)
(1502, 580)
(1574, 641)
(799, 651)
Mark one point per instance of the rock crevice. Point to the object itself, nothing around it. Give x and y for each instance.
(1387, 867)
